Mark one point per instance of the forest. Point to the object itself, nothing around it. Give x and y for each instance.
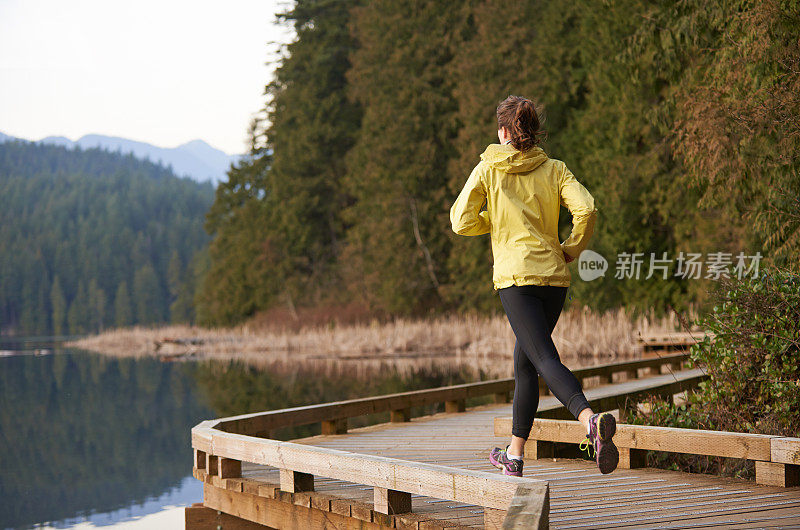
(91, 239)
(679, 117)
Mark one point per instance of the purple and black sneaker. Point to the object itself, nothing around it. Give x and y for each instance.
(509, 466)
(602, 427)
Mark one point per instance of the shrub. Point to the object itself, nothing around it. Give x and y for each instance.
(753, 363)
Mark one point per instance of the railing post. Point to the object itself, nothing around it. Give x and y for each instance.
(632, 458)
(391, 501)
(501, 397)
(456, 405)
(211, 464)
(400, 415)
(199, 459)
(295, 482)
(535, 449)
(774, 474)
(337, 426)
(229, 468)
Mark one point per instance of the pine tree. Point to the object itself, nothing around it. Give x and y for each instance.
(276, 221)
(397, 242)
(59, 305)
(147, 295)
(123, 314)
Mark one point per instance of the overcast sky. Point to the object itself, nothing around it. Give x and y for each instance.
(159, 71)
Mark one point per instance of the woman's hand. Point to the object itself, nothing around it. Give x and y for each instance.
(567, 257)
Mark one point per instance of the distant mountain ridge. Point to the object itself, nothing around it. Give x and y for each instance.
(195, 159)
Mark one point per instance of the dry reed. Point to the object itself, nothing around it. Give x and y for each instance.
(473, 343)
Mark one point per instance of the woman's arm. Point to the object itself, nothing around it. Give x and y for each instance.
(465, 215)
(580, 203)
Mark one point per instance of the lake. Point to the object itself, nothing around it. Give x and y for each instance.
(89, 440)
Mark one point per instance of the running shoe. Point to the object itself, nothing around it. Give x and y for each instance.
(509, 466)
(602, 427)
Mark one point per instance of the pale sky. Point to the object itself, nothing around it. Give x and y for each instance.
(158, 71)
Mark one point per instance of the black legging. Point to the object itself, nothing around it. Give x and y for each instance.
(533, 311)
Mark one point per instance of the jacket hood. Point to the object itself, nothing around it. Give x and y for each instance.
(508, 159)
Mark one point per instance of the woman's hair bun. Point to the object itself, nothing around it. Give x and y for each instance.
(519, 116)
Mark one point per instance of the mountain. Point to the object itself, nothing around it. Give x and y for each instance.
(195, 159)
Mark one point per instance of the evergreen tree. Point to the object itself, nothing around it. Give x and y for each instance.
(77, 316)
(97, 306)
(397, 241)
(276, 222)
(123, 314)
(59, 305)
(91, 216)
(147, 295)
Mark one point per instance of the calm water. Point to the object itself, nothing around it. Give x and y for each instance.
(88, 440)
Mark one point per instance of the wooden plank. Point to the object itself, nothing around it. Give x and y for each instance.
(277, 514)
(391, 501)
(690, 441)
(474, 487)
(530, 508)
(785, 450)
(199, 517)
(493, 519)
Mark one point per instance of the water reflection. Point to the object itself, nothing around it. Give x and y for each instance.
(83, 433)
(97, 439)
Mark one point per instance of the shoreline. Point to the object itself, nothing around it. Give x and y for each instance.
(476, 343)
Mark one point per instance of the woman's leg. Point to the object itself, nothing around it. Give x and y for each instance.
(532, 311)
(526, 400)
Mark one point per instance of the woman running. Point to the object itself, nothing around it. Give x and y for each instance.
(523, 190)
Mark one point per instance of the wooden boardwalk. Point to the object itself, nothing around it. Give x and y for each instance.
(580, 496)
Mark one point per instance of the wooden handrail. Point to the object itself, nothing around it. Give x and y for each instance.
(491, 490)
(222, 445)
(261, 423)
(777, 458)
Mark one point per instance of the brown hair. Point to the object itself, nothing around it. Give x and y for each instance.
(518, 115)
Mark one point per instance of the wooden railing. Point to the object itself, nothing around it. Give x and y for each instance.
(333, 416)
(777, 458)
(218, 458)
(669, 342)
(220, 446)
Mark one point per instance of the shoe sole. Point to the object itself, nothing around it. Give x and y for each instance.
(608, 456)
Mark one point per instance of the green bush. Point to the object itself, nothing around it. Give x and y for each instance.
(753, 363)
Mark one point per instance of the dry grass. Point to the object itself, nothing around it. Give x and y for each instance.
(473, 343)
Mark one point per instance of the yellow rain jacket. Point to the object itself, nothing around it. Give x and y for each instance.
(523, 191)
